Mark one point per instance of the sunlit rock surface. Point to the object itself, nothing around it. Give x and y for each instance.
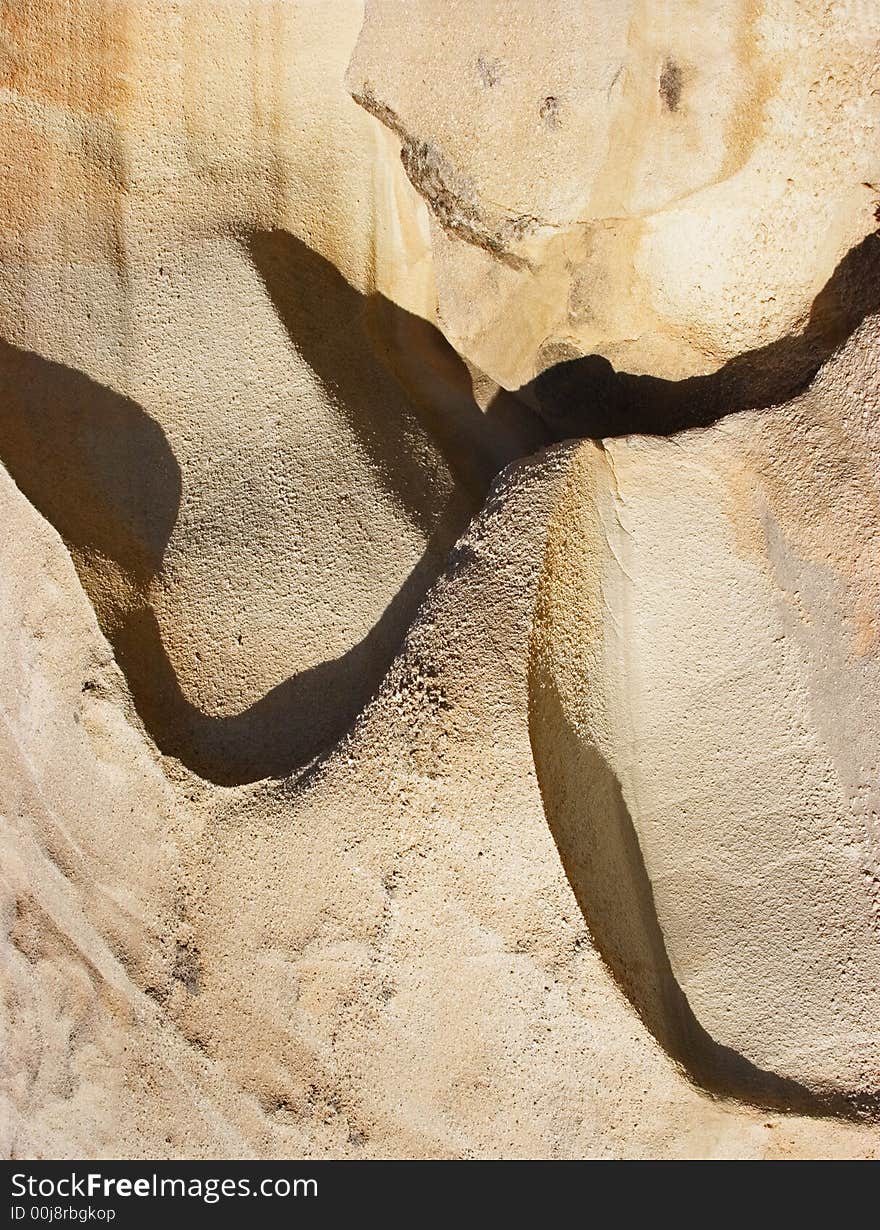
(704, 658)
(666, 185)
(440, 584)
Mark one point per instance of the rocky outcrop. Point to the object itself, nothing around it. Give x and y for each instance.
(440, 587)
(667, 186)
(704, 655)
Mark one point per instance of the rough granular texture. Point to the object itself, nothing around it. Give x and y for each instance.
(440, 586)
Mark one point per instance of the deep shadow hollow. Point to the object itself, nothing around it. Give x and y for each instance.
(93, 463)
(287, 727)
(393, 375)
(103, 474)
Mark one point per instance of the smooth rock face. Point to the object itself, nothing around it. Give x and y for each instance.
(231, 434)
(666, 185)
(704, 660)
(375, 780)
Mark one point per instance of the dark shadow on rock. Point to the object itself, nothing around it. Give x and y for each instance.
(586, 397)
(93, 462)
(289, 726)
(600, 852)
(418, 386)
(102, 472)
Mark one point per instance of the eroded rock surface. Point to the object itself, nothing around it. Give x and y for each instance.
(666, 185)
(233, 435)
(705, 654)
(380, 776)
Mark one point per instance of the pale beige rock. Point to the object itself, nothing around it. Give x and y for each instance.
(232, 437)
(383, 959)
(667, 185)
(278, 877)
(705, 658)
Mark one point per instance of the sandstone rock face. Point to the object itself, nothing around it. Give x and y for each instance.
(666, 185)
(382, 776)
(704, 660)
(230, 433)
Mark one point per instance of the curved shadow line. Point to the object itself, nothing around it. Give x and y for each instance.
(91, 461)
(600, 852)
(594, 831)
(587, 397)
(102, 472)
(291, 724)
(406, 354)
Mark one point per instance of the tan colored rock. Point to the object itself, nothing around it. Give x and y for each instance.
(705, 658)
(232, 436)
(384, 959)
(279, 876)
(666, 185)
